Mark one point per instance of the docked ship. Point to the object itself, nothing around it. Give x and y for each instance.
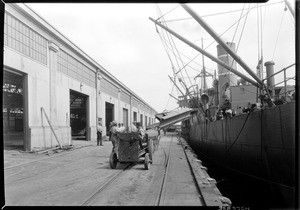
(246, 125)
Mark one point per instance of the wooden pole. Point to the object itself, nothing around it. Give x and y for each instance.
(51, 126)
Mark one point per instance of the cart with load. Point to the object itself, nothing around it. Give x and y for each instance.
(130, 149)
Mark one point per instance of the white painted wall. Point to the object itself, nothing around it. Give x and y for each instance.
(56, 100)
(241, 96)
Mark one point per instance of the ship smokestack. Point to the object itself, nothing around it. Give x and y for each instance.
(226, 78)
(270, 80)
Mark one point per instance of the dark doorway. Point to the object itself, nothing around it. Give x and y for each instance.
(109, 115)
(78, 115)
(13, 108)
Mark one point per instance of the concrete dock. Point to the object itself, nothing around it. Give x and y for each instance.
(72, 176)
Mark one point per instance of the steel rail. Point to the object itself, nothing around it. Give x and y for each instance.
(103, 187)
(158, 201)
(193, 174)
(166, 164)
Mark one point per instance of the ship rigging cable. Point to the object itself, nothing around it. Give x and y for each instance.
(167, 12)
(191, 60)
(238, 44)
(178, 54)
(242, 30)
(278, 34)
(241, 33)
(167, 52)
(171, 65)
(171, 38)
(170, 96)
(221, 13)
(239, 20)
(213, 41)
(249, 10)
(172, 50)
(226, 153)
(179, 57)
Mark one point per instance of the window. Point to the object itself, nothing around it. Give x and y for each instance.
(75, 69)
(16, 36)
(109, 88)
(125, 97)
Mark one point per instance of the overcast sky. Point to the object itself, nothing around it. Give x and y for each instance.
(122, 39)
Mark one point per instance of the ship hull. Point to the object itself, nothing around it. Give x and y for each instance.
(260, 144)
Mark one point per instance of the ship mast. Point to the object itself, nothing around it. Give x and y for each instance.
(221, 63)
(203, 73)
(222, 43)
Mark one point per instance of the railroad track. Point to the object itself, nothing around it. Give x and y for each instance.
(159, 200)
(161, 193)
(166, 164)
(168, 155)
(193, 174)
(119, 173)
(107, 183)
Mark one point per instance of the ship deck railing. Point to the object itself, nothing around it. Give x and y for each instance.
(285, 80)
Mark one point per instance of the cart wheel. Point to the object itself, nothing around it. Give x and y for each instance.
(150, 149)
(113, 160)
(147, 161)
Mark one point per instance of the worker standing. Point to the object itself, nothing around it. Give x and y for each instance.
(133, 127)
(109, 133)
(141, 133)
(99, 134)
(114, 137)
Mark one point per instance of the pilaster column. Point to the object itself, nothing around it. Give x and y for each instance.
(98, 96)
(119, 106)
(130, 110)
(53, 50)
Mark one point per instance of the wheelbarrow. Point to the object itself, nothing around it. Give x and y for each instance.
(130, 150)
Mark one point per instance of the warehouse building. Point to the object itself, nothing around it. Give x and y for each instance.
(54, 93)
